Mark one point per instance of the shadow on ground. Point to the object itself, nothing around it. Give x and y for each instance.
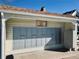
(58, 50)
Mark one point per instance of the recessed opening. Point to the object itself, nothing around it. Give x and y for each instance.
(10, 57)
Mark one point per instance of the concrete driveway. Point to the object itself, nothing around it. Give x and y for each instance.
(72, 57)
(40, 54)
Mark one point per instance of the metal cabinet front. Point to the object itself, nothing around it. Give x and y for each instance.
(29, 37)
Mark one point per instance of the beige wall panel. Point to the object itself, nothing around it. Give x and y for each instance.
(55, 24)
(68, 26)
(68, 35)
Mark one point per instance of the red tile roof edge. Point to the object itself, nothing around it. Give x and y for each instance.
(11, 8)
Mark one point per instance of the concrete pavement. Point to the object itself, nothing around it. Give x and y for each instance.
(40, 54)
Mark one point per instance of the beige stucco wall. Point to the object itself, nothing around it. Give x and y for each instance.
(23, 23)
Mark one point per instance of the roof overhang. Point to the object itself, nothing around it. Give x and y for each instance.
(40, 16)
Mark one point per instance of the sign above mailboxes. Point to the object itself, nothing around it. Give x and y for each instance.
(41, 23)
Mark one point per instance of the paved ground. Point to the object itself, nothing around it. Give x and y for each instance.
(48, 55)
(72, 57)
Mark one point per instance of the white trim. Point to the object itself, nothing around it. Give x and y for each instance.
(3, 33)
(26, 13)
(47, 19)
(75, 36)
(39, 17)
(74, 13)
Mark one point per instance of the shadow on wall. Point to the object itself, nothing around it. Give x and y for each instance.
(53, 46)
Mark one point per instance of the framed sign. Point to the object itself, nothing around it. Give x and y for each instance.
(41, 23)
